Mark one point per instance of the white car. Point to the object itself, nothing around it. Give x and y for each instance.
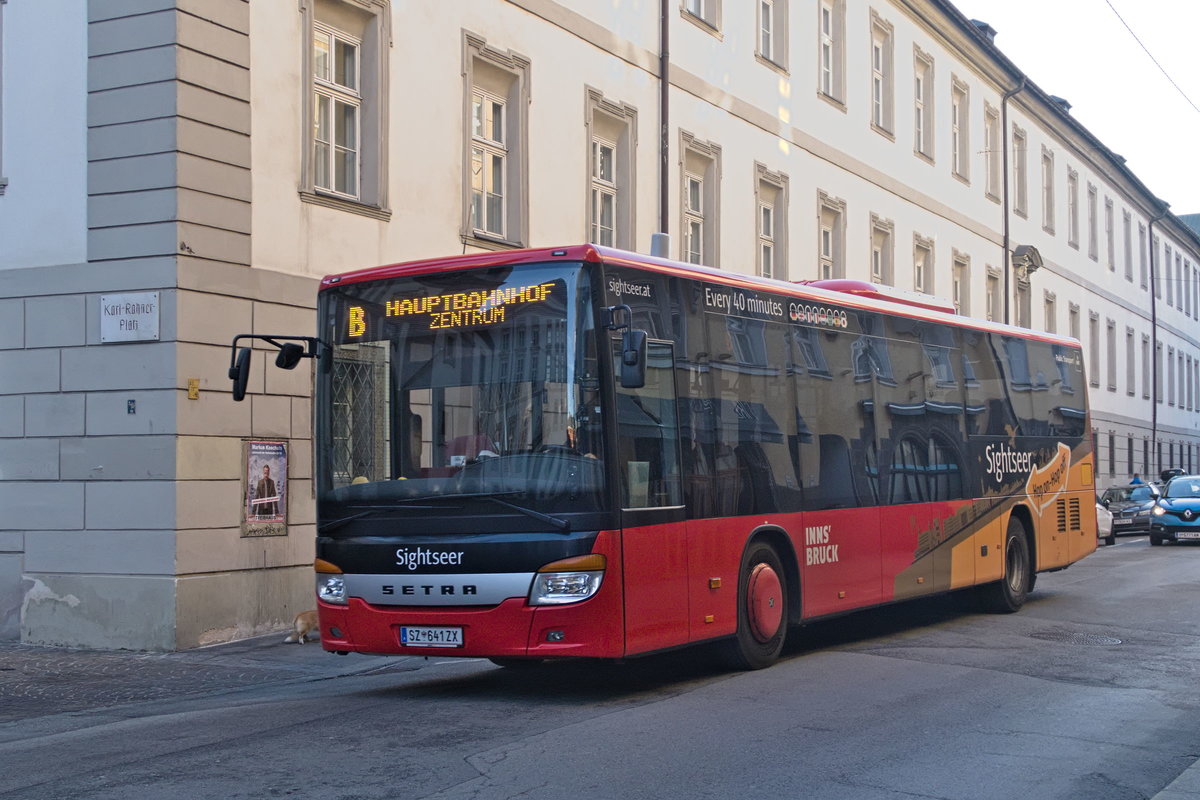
(1104, 525)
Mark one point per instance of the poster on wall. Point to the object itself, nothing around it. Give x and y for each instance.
(264, 512)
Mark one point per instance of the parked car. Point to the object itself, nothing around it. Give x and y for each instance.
(1104, 525)
(1176, 515)
(1132, 507)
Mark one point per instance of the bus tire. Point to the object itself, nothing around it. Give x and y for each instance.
(762, 611)
(1008, 594)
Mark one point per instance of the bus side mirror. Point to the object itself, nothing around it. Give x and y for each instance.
(240, 373)
(289, 356)
(633, 359)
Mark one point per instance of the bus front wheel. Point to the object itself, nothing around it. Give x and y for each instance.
(762, 610)
(1008, 594)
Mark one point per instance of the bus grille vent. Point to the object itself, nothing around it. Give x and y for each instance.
(1068, 516)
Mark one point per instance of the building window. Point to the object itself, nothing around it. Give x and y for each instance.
(1130, 362)
(773, 32)
(1110, 343)
(1127, 238)
(496, 188)
(1155, 268)
(994, 297)
(1094, 346)
(1110, 244)
(923, 264)
(960, 131)
(1093, 223)
(1179, 291)
(771, 196)
(1170, 376)
(1142, 264)
(881, 250)
(489, 159)
(831, 237)
(1073, 320)
(882, 101)
(922, 103)
(991, 151)
(1050, 322)
(1073, 208)
(612, 132)
(1164, 275)
(345, 161)
(701, 171)
(707, 12)
(1145, 366)
(1020, 176)
(604, 192)
(1158, 379)
(960, 288)
(831, 32)
(1047, 191)
(338, 106)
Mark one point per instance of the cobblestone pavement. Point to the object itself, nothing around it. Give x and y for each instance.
(40, 681)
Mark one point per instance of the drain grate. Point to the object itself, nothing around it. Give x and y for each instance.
(1074, 637)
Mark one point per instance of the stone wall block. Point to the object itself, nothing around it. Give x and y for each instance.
(119, 367)
(56, 415)
(55, 321)
(130, 505)
(12, 324)
(12, 415)
(30, 371)
(118, 458)
(41, 506)
(101, 611)
(28, 460)
(108, 413)
(103, 552)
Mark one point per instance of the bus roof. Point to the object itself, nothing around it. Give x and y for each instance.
(844, 292)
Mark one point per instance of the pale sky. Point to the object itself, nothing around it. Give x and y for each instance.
(1080, 50)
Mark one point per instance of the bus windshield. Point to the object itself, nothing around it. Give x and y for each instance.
(455, 388)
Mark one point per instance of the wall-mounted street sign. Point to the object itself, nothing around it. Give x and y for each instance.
(129, 317)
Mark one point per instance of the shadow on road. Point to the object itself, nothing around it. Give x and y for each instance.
(586, 680)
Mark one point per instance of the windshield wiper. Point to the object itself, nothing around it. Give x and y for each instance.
(561, 524)
(558, 522)
(337, 523)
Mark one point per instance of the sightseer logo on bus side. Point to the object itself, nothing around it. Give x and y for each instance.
(1044, 482)
(619, 287)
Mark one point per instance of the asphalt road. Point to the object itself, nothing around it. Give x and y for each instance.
(1090, 691)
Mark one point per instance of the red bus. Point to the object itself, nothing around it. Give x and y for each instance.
(583, 452)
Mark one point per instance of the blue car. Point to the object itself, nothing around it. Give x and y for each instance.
(1176, 516)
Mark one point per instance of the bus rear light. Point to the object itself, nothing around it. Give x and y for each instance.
(321, 565)
(331, 588)
(568, 581)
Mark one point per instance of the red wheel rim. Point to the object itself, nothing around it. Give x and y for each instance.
(764, 602)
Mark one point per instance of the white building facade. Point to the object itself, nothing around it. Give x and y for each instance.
(213, 159)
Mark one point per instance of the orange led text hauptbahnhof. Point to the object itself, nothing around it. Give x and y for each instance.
(457, 310)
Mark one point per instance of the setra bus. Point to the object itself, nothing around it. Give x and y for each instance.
(584, 452)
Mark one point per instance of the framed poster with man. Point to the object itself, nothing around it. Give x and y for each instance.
(264, 509)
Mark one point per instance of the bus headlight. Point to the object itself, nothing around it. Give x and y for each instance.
(568, 581)
(331, 583)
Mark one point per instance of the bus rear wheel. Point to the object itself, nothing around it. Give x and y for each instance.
(1008, 594)
(762, 610)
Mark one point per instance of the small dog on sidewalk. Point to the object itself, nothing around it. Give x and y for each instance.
(304, 628)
